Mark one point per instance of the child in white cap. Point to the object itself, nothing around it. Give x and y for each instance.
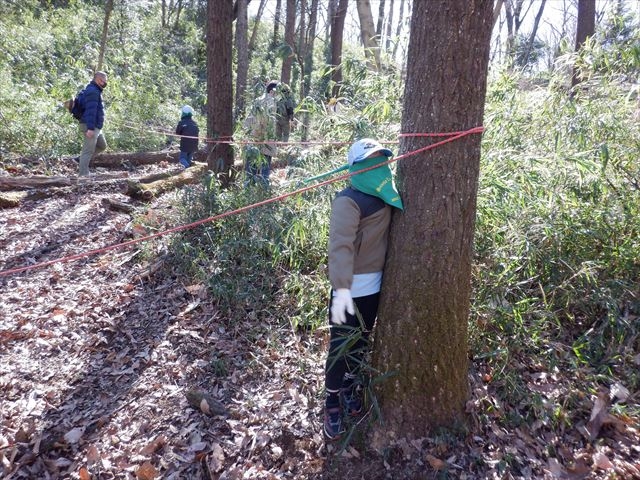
(359, 226)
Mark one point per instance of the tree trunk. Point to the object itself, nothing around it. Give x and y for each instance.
(534, 32)
(308, 66)
(108, 8)
(421, 335)
(219, 86)
(289, 40)
(368, 34)
(275, 38)
(389, 26)
(242, 51)
(585, 28)
(399, 28)
(380, 21)
(254, 32)
(337, 29)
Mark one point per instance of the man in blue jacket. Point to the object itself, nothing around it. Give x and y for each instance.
(92, 121)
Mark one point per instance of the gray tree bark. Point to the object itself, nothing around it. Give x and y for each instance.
(219, 86)
(368, 34)
(421, 335)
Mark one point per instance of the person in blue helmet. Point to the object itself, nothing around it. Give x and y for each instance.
(188, 131)
(358, 232)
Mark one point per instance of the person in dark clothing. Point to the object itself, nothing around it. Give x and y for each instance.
(188, 130)
(91, 122)
(358, 231)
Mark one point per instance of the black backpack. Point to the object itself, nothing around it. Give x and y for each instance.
(76, 105)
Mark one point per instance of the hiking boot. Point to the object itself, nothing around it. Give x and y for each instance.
(333, 427)
(352, 400)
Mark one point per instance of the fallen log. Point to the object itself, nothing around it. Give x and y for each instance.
(124, 159)
(117, 205)
(147, 191)
(36, 181)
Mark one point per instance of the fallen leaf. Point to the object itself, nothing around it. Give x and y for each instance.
(435, 462)
(74, 436)
(601, 461)
(84, 474)
(216, 458)
(598, 415)
(146, 471)
(153, 446)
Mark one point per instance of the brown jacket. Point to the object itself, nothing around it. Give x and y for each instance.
(357, 244)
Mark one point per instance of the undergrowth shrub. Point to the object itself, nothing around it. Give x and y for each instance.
(557, 267)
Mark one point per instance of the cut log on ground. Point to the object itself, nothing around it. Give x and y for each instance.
(117, 205)
(126, 160)
(27, 183)
(147, 191)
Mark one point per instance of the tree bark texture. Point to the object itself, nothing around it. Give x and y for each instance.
(337, 30)
(585, 28)
(219, 85)
(308, 66)
(368, 34)
(289, 39)
(421, 334)
(242, 49)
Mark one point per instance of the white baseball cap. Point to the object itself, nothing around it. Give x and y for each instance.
(187, 110)
(364, 148)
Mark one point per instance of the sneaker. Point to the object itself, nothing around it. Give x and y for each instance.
(333, 428)
(352, 400)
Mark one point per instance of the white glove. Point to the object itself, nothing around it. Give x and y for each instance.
(342, 302)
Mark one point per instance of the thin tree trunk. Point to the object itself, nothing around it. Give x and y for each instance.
(380, 21)
(219, 86)
(389, 25)
(242, 52)
(399, 28)
(421, 334)
(367, 34)
(534, 32)
(254, 32)
(108, 8)
(289, 39)
(275, 39)
(337, 29)
(308, 66)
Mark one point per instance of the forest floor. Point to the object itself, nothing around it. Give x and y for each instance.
(116, 366)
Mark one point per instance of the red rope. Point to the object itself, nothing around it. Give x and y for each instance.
(78, 256)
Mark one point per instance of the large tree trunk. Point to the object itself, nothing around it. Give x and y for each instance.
(421, 335)
(585, 28)
(219, 86)
(337, 29)
(289, 39)
(242, 50)
(368, 34)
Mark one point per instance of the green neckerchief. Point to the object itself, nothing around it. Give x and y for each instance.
(377, 182)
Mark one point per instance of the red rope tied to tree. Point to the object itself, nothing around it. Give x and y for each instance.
(451, 137)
